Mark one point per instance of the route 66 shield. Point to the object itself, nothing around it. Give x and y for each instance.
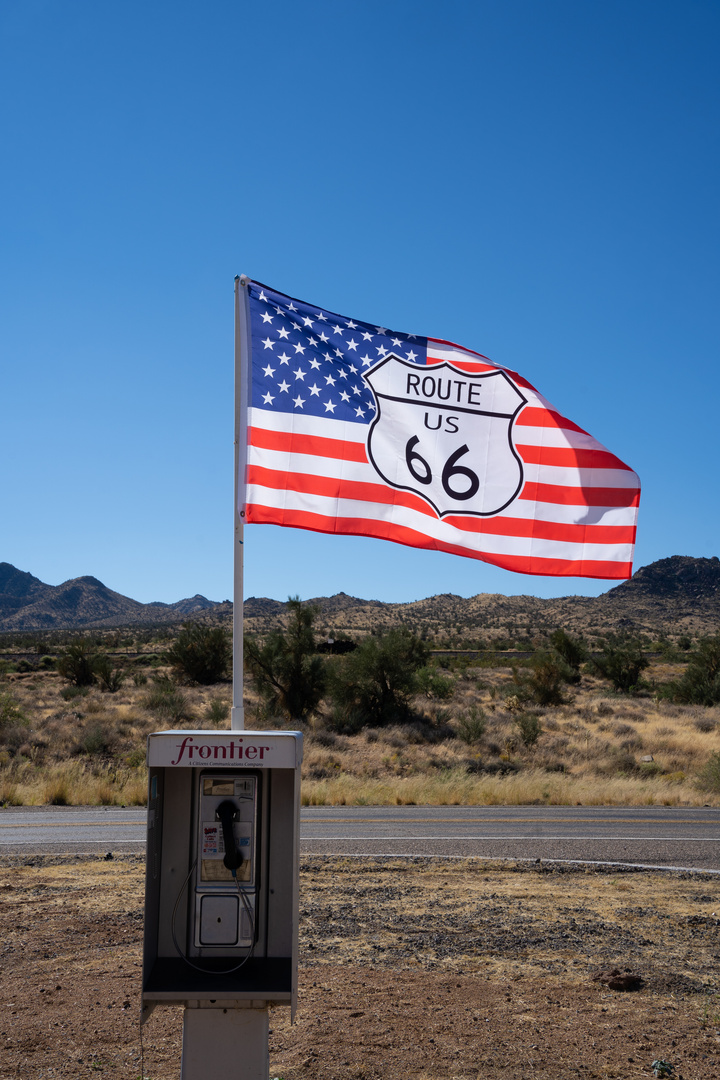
(446, 434)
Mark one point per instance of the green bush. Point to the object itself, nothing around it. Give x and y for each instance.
(709, 776)
(217, 711)
(471, 725)
(373, 685)
(433, 685)
(165, 699)
(572, 650)
(109, 678)
(10, 712)
(288, 674)
(621, 663)
(529, 727)
(77, 663)
(202, 654)
(700, 683)
(97, 740)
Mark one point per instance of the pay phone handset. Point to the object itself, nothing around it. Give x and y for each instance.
(222, 906)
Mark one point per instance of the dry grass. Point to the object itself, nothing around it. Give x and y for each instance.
(596, 749)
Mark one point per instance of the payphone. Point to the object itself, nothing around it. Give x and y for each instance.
(222, 877)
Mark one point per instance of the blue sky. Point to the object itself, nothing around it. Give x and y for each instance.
(538, 182)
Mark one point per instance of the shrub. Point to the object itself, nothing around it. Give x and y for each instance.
(529, 726)
(572, 650)
(69, 693)
(109, 678)
(201, 654)
(98, 740)
(10, 712)
(432, 684)
(165, 699)
(374, 684)
(471, 725)
(287, 673)
(700, 684)
(77, 663)
(709, 776)
(217, 711)
(621, 663)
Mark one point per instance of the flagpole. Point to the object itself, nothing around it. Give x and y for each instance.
(237, 715)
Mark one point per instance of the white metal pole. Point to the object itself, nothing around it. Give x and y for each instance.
(242, 361)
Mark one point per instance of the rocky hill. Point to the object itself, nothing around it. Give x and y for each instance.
(673, 596)
(26, 603)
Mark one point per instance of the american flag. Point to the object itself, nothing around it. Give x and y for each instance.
(355, 428)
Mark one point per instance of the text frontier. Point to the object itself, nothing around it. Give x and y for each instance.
(235, 751)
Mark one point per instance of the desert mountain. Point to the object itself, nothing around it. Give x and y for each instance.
(676, 595)
(26, 603)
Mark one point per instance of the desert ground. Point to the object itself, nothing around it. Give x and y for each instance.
(409, 970)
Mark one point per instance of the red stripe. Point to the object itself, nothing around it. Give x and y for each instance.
(256, 514)
(570, 457)
(533, 416)
(335, 488)
(292, 442)
(577, 496)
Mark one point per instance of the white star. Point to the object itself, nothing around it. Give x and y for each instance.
(269, 370)
(367, 336)
(397, 342)
(299, 348)
(284, 333)
(381, 349)
(320, 316)
(299, 374)
(315, 364)
(291, 306)
(351, 325)
(268, 399)
(263, 297)
(314, 389)
(411, 337)
(411, 355)
(344, 396)
(268, 343)
(337, 330)
(329, 380)
(367, 360)
(324, 338)
(284, 358)
(381, 330)
(284, 386)
(338, 353)
(266, 317)
(312, 341)
(356, 390)
(329, 406)
(307, 322)
(343, 373)
(279, 311)
(298, 402)
(353, 369)
(352, 344)
(328, 356)
(359, 411)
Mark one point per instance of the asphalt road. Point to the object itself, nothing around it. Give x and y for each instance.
(687, 838)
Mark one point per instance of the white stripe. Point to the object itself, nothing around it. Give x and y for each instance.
(556, 437)
(362, 472)
(529, 547)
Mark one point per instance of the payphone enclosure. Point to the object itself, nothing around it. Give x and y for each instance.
(221, 885)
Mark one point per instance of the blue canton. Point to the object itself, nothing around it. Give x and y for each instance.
(310, 361)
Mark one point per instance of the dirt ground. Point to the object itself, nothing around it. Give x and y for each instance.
(422, 969)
